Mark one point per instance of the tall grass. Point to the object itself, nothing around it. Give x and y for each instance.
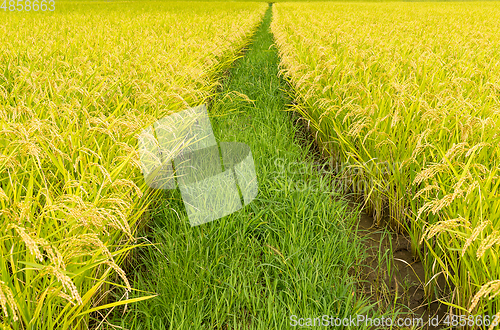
(409, 96)
(76, 88)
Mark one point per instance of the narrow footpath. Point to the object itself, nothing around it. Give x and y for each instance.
(279, 262)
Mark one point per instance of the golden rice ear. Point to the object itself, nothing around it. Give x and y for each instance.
(9, 162)
(425, 190)
(429, 172)
(474, 235)
(455, 151)
(62, 295)
(492, 239)
(93, 240)
(120, 273)
(7, 299)
(28, 241)
(442, 226)
(127, 184)
(444, 202)
(54, 256)
(66, 282)
(3, 195)
(491, 289)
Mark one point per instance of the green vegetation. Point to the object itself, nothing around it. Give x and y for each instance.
(405, 98)
(76, 88)
(401, 93)
(287, 253)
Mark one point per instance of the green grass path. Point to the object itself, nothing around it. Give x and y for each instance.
(287, 253)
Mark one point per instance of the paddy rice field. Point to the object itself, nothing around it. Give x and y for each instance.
(409, 94)
(77, 86)
(402, 97)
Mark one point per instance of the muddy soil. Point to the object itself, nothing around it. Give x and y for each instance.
(391, 275)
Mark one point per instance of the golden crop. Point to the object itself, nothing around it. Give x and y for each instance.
(410, 94)
(76, 88)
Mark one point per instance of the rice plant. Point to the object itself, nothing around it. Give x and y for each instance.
(77, 86)
(409, 94)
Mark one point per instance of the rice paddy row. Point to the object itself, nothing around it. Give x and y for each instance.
(76, 87)
(408, 96)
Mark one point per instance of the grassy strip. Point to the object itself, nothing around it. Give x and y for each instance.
(287, 253)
